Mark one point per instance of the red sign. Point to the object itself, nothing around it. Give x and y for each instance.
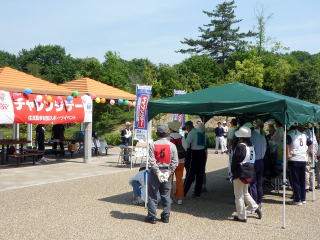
(142, 111)
(28, 110)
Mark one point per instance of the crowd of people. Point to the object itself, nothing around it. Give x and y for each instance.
(255, 151)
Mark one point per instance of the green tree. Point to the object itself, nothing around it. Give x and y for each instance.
(304, 83)
(136, 73)
(169, 78)
(8, 59)
(150, 74)
(115, 71)
(219, 38)
(206, 68)
(262, 20)
(49, 62)
(89, 67)
(249, 71)
(276, 77)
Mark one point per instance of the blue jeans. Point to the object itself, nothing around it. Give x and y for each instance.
(136, 188)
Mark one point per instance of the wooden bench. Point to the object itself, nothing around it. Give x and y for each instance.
(20, 156)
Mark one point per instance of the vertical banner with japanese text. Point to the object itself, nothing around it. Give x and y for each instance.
(141, 112)
(177, 116)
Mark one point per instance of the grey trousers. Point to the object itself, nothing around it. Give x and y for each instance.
(164, 188)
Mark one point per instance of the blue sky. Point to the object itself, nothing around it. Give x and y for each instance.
(149, 29)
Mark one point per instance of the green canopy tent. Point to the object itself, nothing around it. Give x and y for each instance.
(237, 99)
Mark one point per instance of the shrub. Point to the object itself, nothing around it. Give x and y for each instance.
(211, 139)
(113, 138)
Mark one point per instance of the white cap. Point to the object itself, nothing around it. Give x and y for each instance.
(243, 132)
(224, 122)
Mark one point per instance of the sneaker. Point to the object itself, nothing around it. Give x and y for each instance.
(250, 211)
(295, 203)
(216, 152)
(179, 202)
(151, 220)
(317, 187)
(304, 202)
(165, 219)
(259, 212)
(236, 218)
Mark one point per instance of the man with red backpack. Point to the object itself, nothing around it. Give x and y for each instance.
(181, 145)
(163, 157)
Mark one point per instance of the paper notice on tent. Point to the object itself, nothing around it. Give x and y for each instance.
(141, 112)
(177, 116)
(6, 108)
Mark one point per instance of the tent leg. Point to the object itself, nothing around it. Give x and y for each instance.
(29, 133)
(87, 142)
(284, 166)
(313, 167)
(149, 136)
(16, 133)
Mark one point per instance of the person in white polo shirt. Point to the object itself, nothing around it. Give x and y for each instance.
(297, 148)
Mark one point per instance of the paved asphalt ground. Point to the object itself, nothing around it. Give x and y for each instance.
(93, 201)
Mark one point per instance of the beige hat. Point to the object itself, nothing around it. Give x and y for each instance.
(174, 125)
(128, 123)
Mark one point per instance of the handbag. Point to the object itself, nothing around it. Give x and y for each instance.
(247, 172)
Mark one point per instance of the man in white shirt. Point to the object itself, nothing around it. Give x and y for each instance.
(225, 134)
(125, 140)
(196, 143)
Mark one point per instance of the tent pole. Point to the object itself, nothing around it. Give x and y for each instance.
(313, 166)
(29, 133)
(284, 165)
(87, 142)
(133, 126)
(149, 135)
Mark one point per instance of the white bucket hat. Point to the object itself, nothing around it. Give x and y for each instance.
(174, 125)
(243, 132)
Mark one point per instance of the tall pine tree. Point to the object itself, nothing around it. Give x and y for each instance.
(218, 38)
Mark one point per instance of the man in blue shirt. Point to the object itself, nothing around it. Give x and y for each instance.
(260, 147)
(219, 131)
